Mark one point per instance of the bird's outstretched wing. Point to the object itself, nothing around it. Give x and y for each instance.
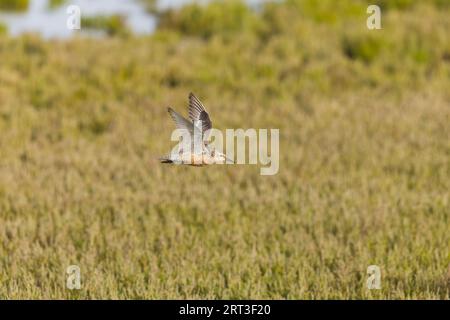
(197, 112)
(180, 121)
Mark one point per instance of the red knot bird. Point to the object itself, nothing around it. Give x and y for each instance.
(198, 152)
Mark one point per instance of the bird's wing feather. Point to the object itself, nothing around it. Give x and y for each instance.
(197, 112)
(195, 133)
(180, 121)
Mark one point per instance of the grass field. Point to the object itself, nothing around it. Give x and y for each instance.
(364, 157)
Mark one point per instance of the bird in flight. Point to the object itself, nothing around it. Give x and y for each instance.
(199, 153)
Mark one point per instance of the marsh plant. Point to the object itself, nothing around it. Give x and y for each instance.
(236, 146)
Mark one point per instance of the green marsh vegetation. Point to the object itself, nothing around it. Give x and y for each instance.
(364, 156)
(3, 29)
(113, 25)
(14, 5)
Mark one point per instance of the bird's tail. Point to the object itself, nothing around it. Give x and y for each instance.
(165, 160)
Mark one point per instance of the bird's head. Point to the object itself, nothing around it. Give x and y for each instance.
(220, 158)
